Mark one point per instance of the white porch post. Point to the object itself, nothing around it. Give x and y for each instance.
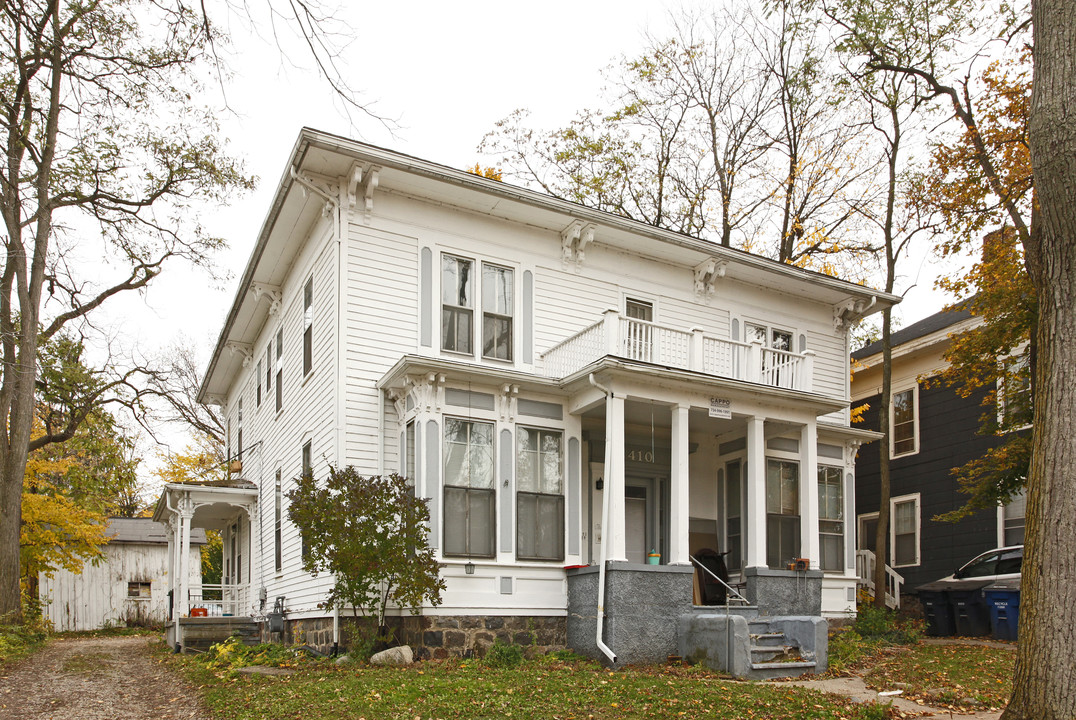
(615, 534)
(186, 512)
(809, 543)
(173, 563)
(253, 564)
(679, 488)
(755, 479)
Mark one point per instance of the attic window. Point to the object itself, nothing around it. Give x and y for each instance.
(139, 590)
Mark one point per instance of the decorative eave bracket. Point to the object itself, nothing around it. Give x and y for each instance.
(506, 402)
(706, 274)
(849, 311)
(361, 183)
(573, 242)
(272, 292)
(217, 400)
(427, 390)
(244, 349)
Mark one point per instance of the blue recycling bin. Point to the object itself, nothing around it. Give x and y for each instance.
(970, 613)
(1003, 603)
(934, 597)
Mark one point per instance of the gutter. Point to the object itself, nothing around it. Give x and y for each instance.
(606, 495)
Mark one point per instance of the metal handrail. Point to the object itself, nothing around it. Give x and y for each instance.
(728, 587)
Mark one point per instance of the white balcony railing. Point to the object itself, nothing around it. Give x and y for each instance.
(222, 600)
(865, 566)
(693, 349)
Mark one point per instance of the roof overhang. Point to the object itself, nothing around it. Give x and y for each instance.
(920, 344)
(335, 162)
(211, 507)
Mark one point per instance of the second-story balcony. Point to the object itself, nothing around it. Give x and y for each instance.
(641, 341)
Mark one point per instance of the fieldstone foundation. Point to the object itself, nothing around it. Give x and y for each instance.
(432, 636)
(643, 605)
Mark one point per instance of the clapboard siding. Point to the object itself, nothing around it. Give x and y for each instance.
(948, 437)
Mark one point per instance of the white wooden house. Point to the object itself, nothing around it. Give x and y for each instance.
(567, 387)
(129, 586)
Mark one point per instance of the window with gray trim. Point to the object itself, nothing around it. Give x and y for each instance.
(469, 509)
(457, 304)
(539, 494)
(497, 304)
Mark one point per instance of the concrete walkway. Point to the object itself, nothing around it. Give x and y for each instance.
(857, 690)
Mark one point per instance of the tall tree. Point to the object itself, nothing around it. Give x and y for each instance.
(1043, 686)
(709, 130)
(105, 154)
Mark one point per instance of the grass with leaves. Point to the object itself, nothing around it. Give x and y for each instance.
(960, 677)
(559, 686)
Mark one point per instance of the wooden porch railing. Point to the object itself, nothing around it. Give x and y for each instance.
(222, 599)
(865, 566)
(648, 342)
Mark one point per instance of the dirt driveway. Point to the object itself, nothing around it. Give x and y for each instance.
(115, 678)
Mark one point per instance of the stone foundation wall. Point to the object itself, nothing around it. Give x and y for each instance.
(432, 636)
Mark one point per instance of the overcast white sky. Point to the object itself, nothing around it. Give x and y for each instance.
(447, 72)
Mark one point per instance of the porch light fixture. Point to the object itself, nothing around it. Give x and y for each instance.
(469, 568)
(599, 484)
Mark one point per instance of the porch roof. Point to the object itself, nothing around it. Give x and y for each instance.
(211, 504)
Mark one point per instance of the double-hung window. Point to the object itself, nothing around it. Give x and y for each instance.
(540, 494)
(409, 452)
(905, 530)
(279, 369)
(1012, 519)
(1014, 393)
(258, 382)
(278, 555)
(782, 512)
(308, 327)
(469, 488)
(903, 425)
(497, 304)
(830, 518)
(457, 304)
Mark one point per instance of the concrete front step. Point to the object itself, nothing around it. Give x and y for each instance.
(199, 634)
(772, 670)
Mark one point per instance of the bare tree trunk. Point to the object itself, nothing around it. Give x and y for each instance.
(882, 532)
(1045, 681)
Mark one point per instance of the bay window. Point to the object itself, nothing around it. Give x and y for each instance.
(539, 494)
(469, 508)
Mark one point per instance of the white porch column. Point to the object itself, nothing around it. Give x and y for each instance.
(679, 488)
(614, 533)
(810, 547)
(173, 563)
(755, 480)
(186, 512)
(254, 562)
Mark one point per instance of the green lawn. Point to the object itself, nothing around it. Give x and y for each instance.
(543, 688)
(965, 677)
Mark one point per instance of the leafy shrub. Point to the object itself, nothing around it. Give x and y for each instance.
(884, 624)
(502, 655)
(19, 640)
(233, 654)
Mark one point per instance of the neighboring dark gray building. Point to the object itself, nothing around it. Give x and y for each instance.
(934, 431)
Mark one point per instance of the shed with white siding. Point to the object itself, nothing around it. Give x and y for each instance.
(127, 587)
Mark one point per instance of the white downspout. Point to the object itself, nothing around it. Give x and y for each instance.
(604, 544)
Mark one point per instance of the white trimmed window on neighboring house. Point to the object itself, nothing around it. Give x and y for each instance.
(470, 493)
(904, 422)
(539, 494)
(904, 530)
(1011, 520)
(1015, 408)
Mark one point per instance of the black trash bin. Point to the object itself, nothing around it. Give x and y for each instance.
(1003, 603)
(969, 607)
(934, 597)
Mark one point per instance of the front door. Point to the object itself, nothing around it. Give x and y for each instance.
(635, 523)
